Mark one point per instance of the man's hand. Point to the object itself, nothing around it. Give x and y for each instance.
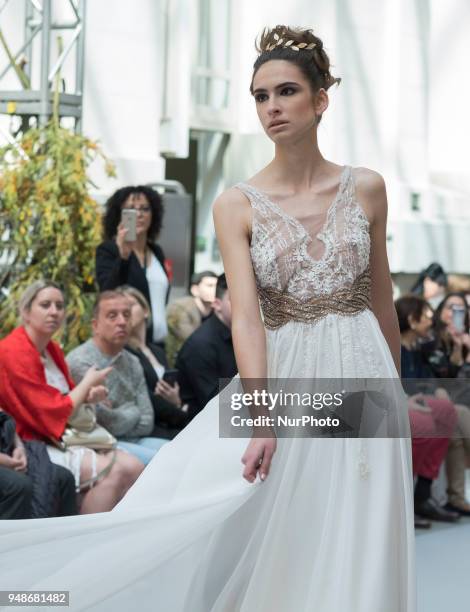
(17, 461)
(417, 402)
(19, 455)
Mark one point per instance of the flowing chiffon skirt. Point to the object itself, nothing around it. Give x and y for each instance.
(192, 536)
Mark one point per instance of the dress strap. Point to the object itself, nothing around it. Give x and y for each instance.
(349, 187)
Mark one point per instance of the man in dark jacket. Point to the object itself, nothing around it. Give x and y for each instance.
(207, 355)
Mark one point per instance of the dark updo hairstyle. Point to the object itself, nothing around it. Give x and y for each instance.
(112, 216)
(305, 51)
(409, 306)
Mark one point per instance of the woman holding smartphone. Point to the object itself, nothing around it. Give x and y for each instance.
(130, 256)
(449, 354)
(171, 415)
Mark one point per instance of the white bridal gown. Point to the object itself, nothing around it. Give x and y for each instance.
(330, 530)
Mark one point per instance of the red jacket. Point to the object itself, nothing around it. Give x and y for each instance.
(40, 411)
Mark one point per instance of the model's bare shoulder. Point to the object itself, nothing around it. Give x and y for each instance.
(371, 193)
(232, 207)
(368, 180)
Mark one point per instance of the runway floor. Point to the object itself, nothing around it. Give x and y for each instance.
(443, 566)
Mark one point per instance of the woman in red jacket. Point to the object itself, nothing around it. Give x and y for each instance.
(37, 391)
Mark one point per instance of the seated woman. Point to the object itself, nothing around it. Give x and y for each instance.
(37, 391)
(170, 413)
(437, 424)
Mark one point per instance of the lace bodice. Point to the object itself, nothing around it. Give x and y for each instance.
(309, 258)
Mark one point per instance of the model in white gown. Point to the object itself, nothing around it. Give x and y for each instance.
(330, 530)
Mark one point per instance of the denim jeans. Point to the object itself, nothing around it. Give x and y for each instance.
(142, 448)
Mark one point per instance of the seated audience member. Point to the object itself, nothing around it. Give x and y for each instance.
(185, 315)
(37, 391)
(139, 263)
(170, 413)
(207, 355)
(458, 283)
(449, 355)
(432, 423)
(31, 486)
(127, 411)
(431, 412)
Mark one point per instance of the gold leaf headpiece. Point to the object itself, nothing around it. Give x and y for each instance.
(288, 44)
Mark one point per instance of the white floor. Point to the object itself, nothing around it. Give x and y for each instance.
(443, 566)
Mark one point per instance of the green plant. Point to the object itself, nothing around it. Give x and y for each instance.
(49, 224)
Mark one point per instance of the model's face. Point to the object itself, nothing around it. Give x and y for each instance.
(286, 105)
(113, 321)
(205, 290)
(47, 312)
(139, 203)
(223, 309)
(447, 310)
(138, 313)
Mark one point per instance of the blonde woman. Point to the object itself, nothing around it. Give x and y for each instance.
(37, 391)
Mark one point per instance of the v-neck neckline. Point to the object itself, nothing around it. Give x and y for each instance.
(342, 181)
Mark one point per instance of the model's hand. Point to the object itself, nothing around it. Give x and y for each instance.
(97, 394)
(170, 393)
(257, 458)
(125, 247)
(19, 455)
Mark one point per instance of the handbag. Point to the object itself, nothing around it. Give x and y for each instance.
(83, 430)
(83, 419)
(98, 439)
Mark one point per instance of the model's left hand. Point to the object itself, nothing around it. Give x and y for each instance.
(257, 458)
(19, 454)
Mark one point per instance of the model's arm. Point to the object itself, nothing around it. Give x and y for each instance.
(371, 193)
(232, 219)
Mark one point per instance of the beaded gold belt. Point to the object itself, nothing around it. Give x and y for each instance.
(279, 307)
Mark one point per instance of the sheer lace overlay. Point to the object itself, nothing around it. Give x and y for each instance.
(322, 254)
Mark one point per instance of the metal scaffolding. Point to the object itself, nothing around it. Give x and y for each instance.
(28, 102)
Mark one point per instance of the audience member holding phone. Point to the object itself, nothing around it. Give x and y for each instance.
(449, 354)
(170, 413)
(130, 256)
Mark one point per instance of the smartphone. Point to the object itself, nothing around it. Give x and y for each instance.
(170, 377)
(129, 220)
(458, 318)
